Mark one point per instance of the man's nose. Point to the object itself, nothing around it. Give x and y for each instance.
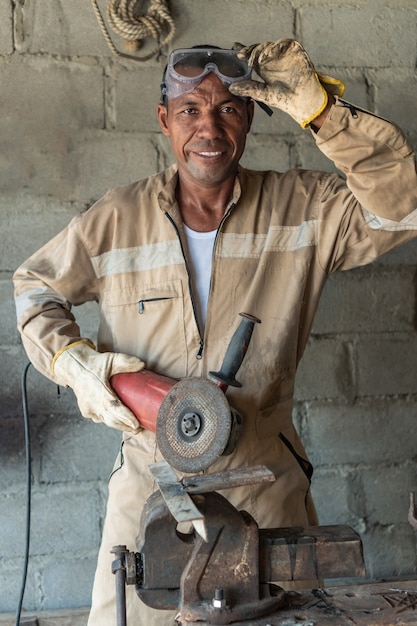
(210, 125)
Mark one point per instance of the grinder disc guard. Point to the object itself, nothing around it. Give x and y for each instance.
(193, 424)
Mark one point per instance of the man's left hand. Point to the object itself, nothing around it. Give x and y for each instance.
(291, 82)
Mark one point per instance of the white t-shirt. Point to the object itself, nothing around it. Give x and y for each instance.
(200, 251)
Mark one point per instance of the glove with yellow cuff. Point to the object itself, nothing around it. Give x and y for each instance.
(291, 81)
(88, 373)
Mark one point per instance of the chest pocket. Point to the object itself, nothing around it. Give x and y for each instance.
(148, 321)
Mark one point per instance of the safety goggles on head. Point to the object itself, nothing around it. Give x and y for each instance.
(187, 67)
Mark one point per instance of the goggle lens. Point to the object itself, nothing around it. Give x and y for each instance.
(188, 66)
(193, 63)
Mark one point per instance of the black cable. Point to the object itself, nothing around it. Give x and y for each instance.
(28, 490)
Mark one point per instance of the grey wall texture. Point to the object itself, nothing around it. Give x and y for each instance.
(75, 119)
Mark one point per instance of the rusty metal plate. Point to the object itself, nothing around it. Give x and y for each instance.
(229, 479)
(193, 424)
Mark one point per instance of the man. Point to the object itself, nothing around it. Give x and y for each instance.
(269, 241)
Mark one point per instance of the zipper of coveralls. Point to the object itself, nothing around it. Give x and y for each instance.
(199, 355)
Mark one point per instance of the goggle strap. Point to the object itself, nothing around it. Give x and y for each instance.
(264, 107)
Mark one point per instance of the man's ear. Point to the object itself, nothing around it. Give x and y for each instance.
(163, 119)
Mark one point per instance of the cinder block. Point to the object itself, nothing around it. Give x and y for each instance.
(306, 155)
(6, 28)
(77, 450)
(64, 96)
(12, 454)
(390, 552)
(389, 83)
(325, 371)
(11, 574)
(222, 23)
(8, 331)
(367, 300)
(332, 496)
(67, 582)
(387, 365)
(60, 28)
(386, 492)
(279, 123)
(66, 519)
(359, 34)
(89, 165)
(103, 160)
(137, 93)
(12, 538)
(52, 582)
(41, 392)
(367, 433)
(13, 363)
(26, 223)
(63, 519)
(266, 153)
(37, 132)
(59, 436)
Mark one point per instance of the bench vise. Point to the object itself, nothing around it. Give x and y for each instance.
(223, 571)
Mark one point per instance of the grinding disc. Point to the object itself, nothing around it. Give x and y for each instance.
(193, 424)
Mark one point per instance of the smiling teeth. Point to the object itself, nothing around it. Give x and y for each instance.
(210, 153)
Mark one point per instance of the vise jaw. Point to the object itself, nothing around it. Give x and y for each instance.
(214, 581)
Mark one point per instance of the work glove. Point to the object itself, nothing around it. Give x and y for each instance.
(290, 81)
(88, 372)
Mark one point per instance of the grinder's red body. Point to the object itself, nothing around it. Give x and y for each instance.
(143, 393)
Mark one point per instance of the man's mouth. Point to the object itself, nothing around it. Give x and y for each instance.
(210, 154)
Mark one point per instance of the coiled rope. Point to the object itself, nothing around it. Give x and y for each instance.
(133, 26)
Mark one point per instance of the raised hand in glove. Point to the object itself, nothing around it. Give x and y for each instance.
(291, 82)
(88, 372)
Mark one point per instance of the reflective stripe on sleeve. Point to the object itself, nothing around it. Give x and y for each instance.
(38, 297)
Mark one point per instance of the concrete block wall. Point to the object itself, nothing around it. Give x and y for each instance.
(75, 120)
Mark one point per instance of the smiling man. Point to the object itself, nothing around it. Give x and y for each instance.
(207, 129)
(173, 259)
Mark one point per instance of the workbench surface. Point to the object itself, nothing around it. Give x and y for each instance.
(388, 604)
(380, 604)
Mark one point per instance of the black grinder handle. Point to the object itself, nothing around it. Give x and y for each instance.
(235, 352)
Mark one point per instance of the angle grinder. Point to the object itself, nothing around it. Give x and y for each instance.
(192, 419)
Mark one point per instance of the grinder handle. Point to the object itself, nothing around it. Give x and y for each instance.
(235, 352)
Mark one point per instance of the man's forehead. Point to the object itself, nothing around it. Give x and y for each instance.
(210, 89)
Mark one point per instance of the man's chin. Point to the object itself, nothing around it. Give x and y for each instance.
(211, 174)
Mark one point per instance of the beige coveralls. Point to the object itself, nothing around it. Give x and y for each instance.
(280, 239)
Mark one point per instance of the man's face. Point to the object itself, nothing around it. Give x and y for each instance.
(207, 129)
